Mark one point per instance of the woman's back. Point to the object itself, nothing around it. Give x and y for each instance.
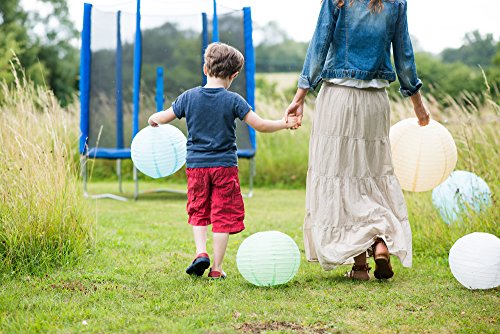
(362, 39)
(354, 41)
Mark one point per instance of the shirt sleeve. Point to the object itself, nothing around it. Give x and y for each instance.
(241, 107)
(179, 106)
(404, 58)
(319, 46)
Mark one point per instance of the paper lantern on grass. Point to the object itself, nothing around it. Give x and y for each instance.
(159, 151)
(475, 261)
(268, 258)
(460, 190)
(423, 156)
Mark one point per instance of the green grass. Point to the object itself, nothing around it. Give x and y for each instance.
(134, 281)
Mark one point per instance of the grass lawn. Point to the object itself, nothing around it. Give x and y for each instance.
(134, 281)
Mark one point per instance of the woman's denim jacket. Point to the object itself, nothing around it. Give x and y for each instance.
(352, 42)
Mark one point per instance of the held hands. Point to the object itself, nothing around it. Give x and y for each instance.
(291, 122)
(296, 109)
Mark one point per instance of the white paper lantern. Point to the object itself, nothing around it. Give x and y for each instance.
(423, 156)
(159, 151)
(268, 258)
(475, 261)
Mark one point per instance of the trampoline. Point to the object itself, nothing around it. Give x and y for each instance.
(133, 61)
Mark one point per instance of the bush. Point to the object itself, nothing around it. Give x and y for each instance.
(44, 220)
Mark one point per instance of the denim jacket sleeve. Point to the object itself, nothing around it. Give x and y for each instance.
(404, 58)
(319, 45)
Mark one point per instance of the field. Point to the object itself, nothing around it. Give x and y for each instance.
(87, 266)
(134, 281)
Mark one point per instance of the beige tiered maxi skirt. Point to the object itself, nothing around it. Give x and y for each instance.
(353, 196)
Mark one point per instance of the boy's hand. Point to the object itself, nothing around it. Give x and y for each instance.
(152, 122)
(293, 122)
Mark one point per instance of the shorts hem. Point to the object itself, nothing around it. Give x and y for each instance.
(198, 222)
(231, 230)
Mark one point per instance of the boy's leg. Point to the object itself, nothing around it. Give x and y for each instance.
(220, 245)
(227, 211)
(198, 206)
(198, 209)
(200, 239)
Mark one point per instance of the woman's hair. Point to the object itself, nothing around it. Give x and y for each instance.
(374, 5)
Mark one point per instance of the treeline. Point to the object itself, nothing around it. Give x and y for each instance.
(50, 57)
(462, 73)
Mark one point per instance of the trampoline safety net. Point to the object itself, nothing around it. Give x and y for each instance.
(171, 42)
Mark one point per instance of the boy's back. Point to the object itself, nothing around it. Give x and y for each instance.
(210, 116)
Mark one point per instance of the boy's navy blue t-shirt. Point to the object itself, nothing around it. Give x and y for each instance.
(211, 122)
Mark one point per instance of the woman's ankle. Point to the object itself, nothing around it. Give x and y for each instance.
(381, 248)
(360, 260)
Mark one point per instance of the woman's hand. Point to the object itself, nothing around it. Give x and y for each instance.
(296, 108)
(421, 111)
(422, 114)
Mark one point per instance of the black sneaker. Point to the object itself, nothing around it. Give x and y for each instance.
(199, 265)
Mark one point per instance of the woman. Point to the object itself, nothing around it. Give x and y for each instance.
(354, 203)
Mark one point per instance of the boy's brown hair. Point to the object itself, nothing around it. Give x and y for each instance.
(223, 60)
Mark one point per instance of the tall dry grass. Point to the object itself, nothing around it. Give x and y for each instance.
(44, 220)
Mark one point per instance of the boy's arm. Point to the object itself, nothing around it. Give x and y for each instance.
(265, 125)
(162, 117)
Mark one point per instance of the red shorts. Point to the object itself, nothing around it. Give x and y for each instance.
(214, 197)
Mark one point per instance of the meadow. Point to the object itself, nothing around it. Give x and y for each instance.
(75, 265)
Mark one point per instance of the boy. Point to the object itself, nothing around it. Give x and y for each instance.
(214, 195)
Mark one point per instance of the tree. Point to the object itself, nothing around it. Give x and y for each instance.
(477, 50)
(277, 52)
(47, 55)
(496, 58)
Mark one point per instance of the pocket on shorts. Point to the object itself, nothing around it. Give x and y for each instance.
(229, 192)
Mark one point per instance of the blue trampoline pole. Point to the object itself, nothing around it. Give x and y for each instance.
(159, 89)
(204, 44)
(137, 87)
(215, 24)
(137, 71)
(249, 66)
(85, 58)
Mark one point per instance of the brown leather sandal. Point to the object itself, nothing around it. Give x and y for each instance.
(359, 272)
(383, 267)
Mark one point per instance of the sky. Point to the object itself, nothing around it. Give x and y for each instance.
(437, 24)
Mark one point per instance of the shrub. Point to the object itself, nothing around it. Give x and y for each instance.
(44, 220)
